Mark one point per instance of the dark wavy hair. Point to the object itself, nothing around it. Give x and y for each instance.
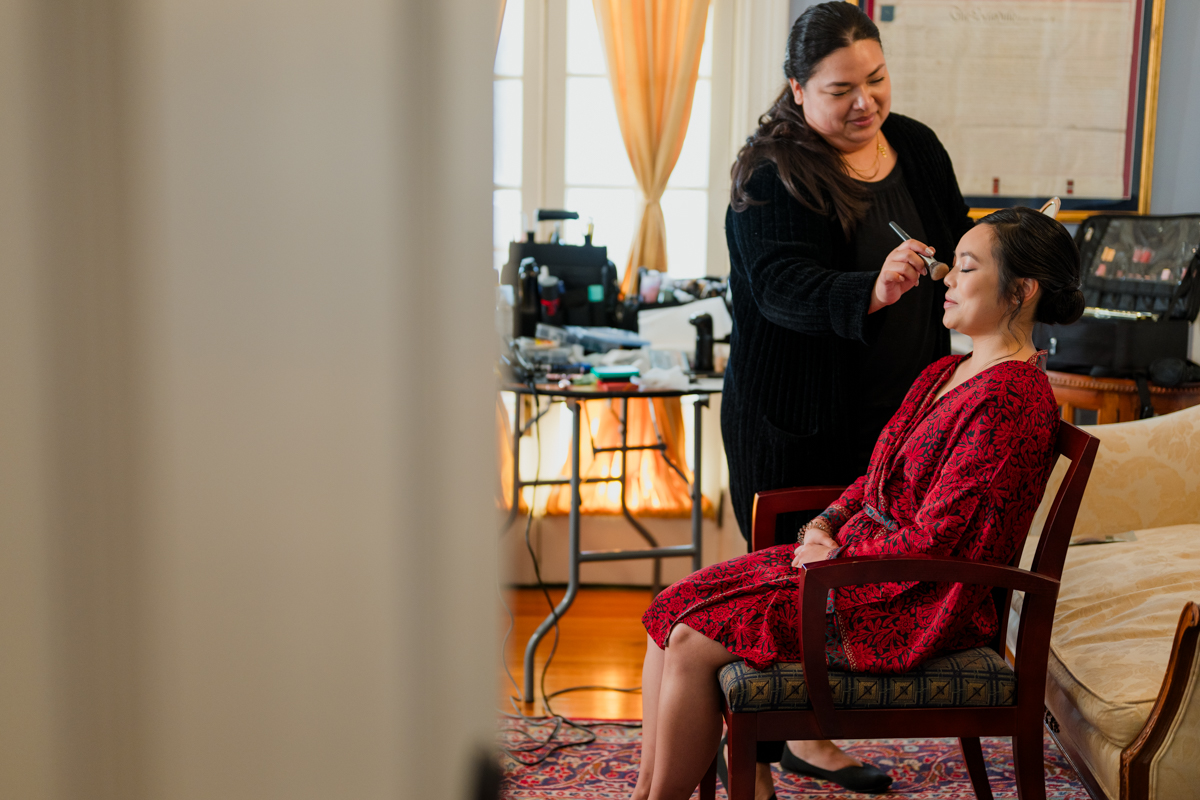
(810, 168)
(1029, 244)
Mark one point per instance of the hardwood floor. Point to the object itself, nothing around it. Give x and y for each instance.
(601, 642)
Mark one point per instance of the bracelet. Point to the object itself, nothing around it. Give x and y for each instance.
(817, 523)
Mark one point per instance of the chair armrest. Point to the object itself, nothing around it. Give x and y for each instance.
(936, 569)
(769, 505)
(817, 578)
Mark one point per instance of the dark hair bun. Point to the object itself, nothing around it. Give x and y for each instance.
(1030, 245)
(1061, 308)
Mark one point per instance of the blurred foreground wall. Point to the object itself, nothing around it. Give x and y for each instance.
(245, 404)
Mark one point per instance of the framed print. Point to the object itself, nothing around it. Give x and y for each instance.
(1032, 98)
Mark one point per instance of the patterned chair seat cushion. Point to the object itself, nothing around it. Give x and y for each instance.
(975, 677)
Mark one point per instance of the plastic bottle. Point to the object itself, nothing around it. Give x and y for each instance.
(548, 291)
(649, 287)
(526, 319)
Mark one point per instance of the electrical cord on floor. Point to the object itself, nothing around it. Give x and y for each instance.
(517, 753)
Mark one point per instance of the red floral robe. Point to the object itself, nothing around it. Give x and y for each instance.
(958, 477)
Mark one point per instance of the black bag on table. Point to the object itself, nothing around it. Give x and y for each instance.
(1141, 291)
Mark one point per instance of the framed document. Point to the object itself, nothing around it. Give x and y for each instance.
(1032, 98)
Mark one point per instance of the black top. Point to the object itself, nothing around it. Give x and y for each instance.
(910, 337)
(794, 394)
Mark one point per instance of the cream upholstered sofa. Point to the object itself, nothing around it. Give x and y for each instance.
(1122, 693)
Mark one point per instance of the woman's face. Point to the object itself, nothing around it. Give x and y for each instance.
(973, 303)
(848, 96)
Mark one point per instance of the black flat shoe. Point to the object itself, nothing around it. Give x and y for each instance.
(723, 768)
(866, 779)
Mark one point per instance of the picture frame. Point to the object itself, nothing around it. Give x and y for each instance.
(1117, 160)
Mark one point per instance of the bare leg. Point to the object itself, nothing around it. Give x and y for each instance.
(688, 723)
(652, 670)
(764, 782)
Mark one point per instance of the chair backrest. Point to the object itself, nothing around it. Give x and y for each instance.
(1079, 447)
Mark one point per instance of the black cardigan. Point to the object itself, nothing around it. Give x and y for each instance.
(800, 323)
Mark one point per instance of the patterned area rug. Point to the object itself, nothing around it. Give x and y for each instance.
(923, 769)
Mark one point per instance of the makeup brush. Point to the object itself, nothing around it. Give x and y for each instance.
(937, 270)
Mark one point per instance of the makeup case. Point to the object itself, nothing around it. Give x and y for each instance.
(1140, 288)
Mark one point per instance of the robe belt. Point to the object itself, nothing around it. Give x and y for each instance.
(880, 517)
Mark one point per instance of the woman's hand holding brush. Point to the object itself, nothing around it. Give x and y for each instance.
(903, 267)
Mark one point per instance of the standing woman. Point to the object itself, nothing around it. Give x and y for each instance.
(832, 322)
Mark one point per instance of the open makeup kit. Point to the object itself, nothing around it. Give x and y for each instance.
(1140, 287)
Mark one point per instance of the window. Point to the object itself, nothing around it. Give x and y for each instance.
(572, 154)
(599, 182)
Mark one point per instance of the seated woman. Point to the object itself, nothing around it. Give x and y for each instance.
(958, 471)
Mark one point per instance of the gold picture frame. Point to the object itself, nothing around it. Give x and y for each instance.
(1149, 31)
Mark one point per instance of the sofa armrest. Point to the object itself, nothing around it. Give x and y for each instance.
(1163, 760)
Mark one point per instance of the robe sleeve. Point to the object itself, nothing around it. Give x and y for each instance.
(845, 507)
(982, 491)
(789, 284)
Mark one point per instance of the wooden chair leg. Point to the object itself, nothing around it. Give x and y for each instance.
(1029, 763)
(708, 784)
(976, 767)
(743, 741)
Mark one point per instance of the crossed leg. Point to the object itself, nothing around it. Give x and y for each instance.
(681, 714)
(652, 669)
(681, 719)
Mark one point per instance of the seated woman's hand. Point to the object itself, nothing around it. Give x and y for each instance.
(817, 536)
(815, 548)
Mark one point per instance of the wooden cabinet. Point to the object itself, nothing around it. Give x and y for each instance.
(1115, 399)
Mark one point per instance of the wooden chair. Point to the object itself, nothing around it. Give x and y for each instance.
(965, 695)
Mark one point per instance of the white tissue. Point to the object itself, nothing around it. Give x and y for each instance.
(657, 378)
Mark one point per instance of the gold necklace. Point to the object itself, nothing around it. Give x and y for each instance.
(880, 152)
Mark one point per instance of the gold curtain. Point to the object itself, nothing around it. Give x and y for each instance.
(653, 49)
(504, 443)
(499, 23)
(653, 489)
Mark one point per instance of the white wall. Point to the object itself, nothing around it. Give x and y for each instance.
(246, 544)
(1176, 155)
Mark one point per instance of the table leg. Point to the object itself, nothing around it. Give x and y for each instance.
(573, 547)
(639, 527)
(697, 497)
